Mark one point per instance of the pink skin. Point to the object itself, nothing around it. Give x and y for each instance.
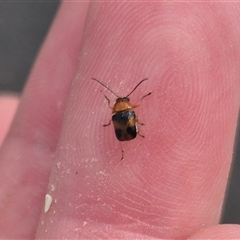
(8, 106)
(170, 184)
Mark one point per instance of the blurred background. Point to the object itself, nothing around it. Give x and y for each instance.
(23, 27)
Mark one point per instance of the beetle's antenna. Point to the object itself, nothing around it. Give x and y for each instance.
(137, 86)
(106, 87)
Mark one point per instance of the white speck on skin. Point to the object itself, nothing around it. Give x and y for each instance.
(52, 187)
(48, 202)
(58, 165)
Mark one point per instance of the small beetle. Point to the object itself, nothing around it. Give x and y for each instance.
(124, 118)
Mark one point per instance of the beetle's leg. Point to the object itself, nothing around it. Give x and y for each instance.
(141, 135)
(122, 155)
(108, 101)
(105, 125)
(139, 122)
(145, 96)
(122, 152)
(135, 106)
(138, 128)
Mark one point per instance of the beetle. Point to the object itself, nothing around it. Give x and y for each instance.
(124, 118)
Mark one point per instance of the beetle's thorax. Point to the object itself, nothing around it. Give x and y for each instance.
(122, 104)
